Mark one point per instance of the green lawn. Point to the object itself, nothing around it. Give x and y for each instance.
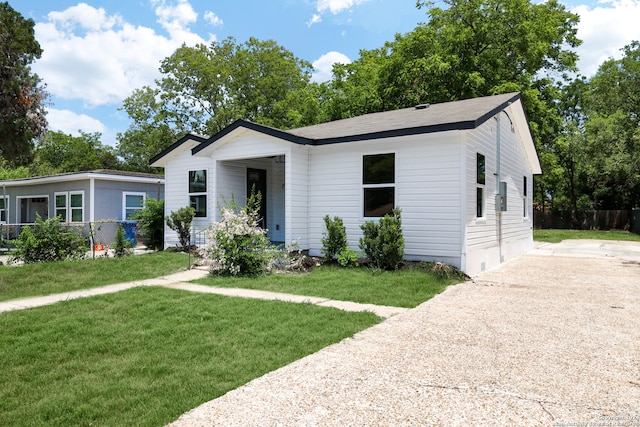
(145, 356)
(556, 236)
(54, 277)
(402, 288)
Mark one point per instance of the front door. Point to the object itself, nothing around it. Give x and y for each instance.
(257, 181)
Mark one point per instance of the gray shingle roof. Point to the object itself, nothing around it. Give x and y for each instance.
(464, 114)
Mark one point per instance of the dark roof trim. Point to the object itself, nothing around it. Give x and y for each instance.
(178, 143)
(277, 133)
(396, 132)
(296, 139)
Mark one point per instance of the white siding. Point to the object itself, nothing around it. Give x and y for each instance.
(499, 236)
(427, 190)
(177, 190)
(297, 195)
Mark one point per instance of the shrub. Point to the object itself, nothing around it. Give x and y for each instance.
(446, 271)
(238, 246)
(47, 240)
(180, 222)
(382, 242)
(334, 240)
(121, 246)
(151, 223)
(348, 258)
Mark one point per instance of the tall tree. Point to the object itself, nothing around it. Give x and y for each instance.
(611, 106)
(205, 88)
(59, 152)
(22, 115)
(152, 129)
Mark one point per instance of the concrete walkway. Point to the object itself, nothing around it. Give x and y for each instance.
(549, 339)
(179, 281)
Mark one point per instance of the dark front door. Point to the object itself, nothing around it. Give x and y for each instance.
(257, 181)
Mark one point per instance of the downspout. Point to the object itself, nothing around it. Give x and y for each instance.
(498, 180)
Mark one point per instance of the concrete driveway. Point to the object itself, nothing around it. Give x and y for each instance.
(551, 338)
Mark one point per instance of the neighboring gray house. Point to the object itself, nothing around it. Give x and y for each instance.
(78, 197)
(462, 173)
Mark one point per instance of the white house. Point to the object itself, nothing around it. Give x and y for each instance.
(462, 173)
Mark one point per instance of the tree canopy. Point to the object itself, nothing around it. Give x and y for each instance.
(22, 114)
(205, 88)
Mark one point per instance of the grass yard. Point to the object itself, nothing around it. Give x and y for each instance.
(55, 277)
(145, 356)
(556, 236)
(403, 288)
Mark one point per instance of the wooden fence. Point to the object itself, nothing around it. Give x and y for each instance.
(594, 220)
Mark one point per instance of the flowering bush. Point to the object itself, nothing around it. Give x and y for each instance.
(238, 246)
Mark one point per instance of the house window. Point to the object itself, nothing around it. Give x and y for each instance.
(198, 192)
(4, 208)
(480, 187)
(70, 206)
(132, 203)
(378, 179)
(524, 199)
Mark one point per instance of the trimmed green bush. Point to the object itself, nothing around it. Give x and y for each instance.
(382, 242)
(180, 222)
(334, 240)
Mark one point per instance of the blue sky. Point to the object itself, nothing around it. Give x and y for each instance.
(97, 52)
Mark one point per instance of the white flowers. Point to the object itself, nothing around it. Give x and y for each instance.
(237, 244)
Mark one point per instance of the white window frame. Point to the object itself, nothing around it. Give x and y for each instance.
(68, 208)
(374, 186)
(4, 210)
(199, 193)
(125, 208)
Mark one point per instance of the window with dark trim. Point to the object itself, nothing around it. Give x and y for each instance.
(481, 181)
(198, 192)
(4, 205)
(378, 181)
(524, 198)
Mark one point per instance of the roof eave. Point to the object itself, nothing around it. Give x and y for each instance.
(204, 148)
(160, 159)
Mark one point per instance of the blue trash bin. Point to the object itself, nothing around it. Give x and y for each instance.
(130, 232)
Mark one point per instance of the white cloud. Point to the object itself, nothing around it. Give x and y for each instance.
(604, 30)
(69, 122)
(213, 19)
(314, 20)
(337, 6)
(101, 59)
(323, 66)
(175, 19)
(332, 6)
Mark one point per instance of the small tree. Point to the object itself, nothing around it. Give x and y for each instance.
(151, 223)
(180, 222)
(121, 246)
(48, 240)
(334, 240)
(383, 242)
